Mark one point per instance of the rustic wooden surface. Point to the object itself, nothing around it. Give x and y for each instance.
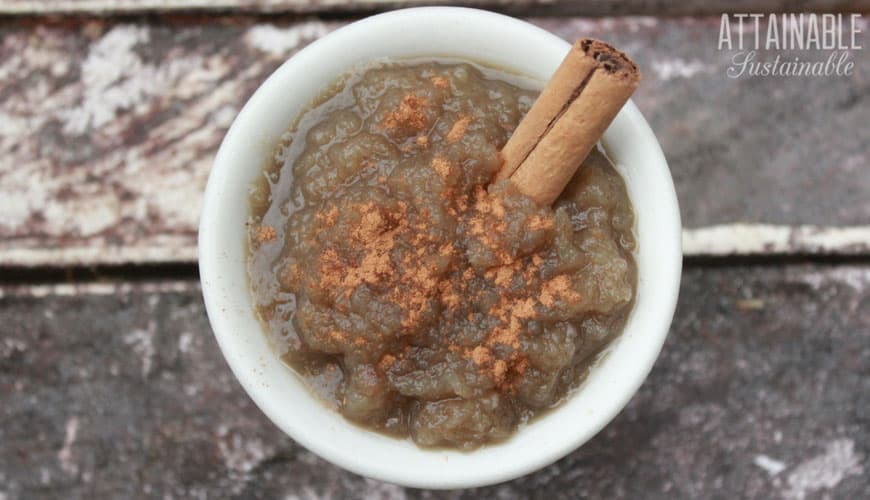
(761, 392)
(527, 7)
(108, 129)
(112, 386)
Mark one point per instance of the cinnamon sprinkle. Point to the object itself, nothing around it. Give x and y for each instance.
(499, 370)
(387, 360)
(327, 217)
(449, 298)
(481, 355)
(411, 270)
(487, 224)
(442, 167)
(537, 222)
(290, 276)
(457, 131)
(375, 234)
(410, 115)
(440, 82)
(338, 336)
(503, 275)
(558, 288)
(265, 233)
(504, 373)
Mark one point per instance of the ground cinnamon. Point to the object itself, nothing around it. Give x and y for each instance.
(410, 115)
(265, 233)
(458, 129)
(584, 95)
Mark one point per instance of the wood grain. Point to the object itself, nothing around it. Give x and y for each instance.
(761, 392)
(526, 7)
(108, 129)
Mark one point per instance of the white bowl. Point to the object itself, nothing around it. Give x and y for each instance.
(443, 31)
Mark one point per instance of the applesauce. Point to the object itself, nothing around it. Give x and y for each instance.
(414, 295)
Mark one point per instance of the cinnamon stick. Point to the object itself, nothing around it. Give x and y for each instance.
(575, 108)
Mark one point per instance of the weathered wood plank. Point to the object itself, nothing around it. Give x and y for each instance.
(768, 239)
(527, 7)
(761, 392)
(713, 241)
(108, 129)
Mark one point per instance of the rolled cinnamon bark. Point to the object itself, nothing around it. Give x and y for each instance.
(586, 92)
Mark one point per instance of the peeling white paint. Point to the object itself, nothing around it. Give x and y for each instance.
(198, 493)
(224, 116)
(586, 26)
(157, 180)
(383, 491)
(760, 239)
(176, 249)
(769, 465)
(280, 41)
(702, 415)
(856, 278)
(16, 208)
(65, 455)
(92, 214)
(96, 288)
(637, 23)
(115, 78)
(142, 341)
(10, 346)
(240, 454)
(133, 6)
(12, 125)
(668, 69)
(110, 64)
(185, 340)
(308, 458)
(824, 471)
(309, 493)
(21, 196)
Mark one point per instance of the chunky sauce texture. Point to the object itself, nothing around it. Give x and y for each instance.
(415, 296)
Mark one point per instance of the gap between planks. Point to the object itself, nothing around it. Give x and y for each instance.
(853, 275)
(712, 241)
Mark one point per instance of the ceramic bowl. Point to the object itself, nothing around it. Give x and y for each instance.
(430, 31)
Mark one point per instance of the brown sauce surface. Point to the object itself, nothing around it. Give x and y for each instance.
(414, 296)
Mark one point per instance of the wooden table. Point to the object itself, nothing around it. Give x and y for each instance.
(111, 384)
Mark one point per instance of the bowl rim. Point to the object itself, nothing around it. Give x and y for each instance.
(223, 312)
